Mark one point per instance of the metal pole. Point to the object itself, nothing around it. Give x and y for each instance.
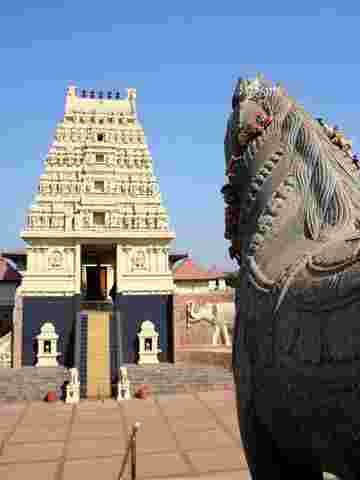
(133, 458)
(128, 450)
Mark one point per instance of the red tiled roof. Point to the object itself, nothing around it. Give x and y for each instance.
(14, 251)
(188, 270)
(176, 256)
(8, 273)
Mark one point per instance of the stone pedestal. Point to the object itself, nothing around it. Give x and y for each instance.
(148, 344)
(47, 346)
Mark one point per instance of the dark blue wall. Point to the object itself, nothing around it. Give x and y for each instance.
(131, 311)
(61, 311)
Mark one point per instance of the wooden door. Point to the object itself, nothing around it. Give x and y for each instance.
(103, 283)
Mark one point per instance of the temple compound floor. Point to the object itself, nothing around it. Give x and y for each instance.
(182, 436)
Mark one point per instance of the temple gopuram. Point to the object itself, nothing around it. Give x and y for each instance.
(98, 239)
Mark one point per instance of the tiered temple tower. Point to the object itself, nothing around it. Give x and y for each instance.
(97, 232)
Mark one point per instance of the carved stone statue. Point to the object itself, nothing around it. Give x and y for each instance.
(77, 221)
(212, 314)
(73, 387)
(114, 218)
(86, 218)
(55, 259)
(123, 385)
(295, 209)
(336, 136)
(123, 375)
(162, 221)
(138, 261)
(74, 376)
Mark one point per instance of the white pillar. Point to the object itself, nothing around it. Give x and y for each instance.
(35, 259)
(38, 259)
(126, 259)
(110, 279)
(66, 259)
(161, 260)
(29, 258)
(118, 266)
(150, 259)
(157, 251)
(71, 252)
(77, 268)
(44, 258)
(164, 259)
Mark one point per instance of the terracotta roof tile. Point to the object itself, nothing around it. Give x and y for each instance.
(175, 257)
(14, 251)
(186, 269)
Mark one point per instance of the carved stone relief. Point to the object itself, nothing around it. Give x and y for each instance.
(86, 218)
(55, 260)
(138, 261)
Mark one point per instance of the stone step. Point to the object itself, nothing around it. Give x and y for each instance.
(184, 388)
(31, 383)
(175, 369)
(170, 379)
(182, 382)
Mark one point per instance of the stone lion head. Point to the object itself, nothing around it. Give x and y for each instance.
(264, 114)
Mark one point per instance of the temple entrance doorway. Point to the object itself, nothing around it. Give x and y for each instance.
(96, 283)
(98, 267)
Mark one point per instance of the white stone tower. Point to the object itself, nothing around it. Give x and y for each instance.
(98, 206)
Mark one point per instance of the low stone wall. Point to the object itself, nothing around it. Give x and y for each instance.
(199, 355)
(31, 383)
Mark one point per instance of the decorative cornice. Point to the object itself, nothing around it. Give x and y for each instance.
(147, 292)
(47, 293)
(101, 234)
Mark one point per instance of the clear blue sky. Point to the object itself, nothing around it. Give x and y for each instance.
(183, 58)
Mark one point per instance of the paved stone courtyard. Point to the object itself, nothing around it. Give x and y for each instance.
(181, 436)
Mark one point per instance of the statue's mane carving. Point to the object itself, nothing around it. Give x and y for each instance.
(331, 192)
